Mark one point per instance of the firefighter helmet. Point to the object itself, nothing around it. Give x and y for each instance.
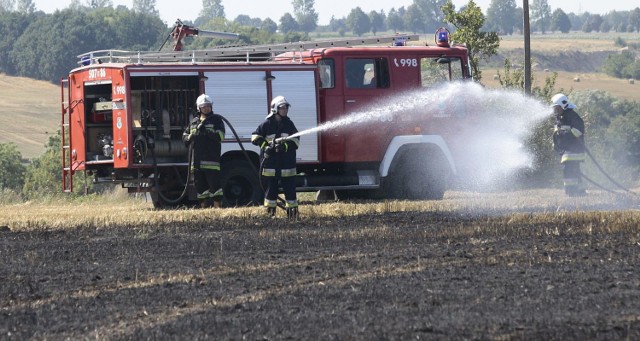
(561, 100)
(203, 100)
(278, 102)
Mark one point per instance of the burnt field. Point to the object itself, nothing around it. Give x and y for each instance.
(520, 265)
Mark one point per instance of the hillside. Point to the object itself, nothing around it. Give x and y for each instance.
(29, 113)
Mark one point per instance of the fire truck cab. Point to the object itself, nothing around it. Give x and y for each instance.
(124, 114)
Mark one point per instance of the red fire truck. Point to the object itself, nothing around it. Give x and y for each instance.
(123, 115)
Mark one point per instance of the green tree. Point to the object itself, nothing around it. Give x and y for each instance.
(414, 19)
(634, 19)
(269, 26)
(593, 23)
(337, 25)
(212, 9)
(615, 63)
(43, 175)
(49, 46)
(99, 3)
(305, 14)
(560, 21)
(502, 16)
(541, 14)
(377, 22)
(243, 20)
(11, 168)
(26, 6)
(358, 22)
(146, 7)
(13, 23)
(394, 21)
(468, 22)
(7, 5)
(288, 23)
(432, 14)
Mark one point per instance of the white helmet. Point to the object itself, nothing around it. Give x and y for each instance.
(203, 100)
(277, 102)
(562, 101)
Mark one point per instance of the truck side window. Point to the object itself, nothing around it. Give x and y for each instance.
(436, 70)
(367, 73)
(326, 71)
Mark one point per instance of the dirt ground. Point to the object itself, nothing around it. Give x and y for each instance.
(460, 274)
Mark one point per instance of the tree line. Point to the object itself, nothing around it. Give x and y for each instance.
(45, 46)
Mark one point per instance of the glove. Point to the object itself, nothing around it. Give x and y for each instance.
(188, 138)
(280, 148)
(268, 151)
(576, 132)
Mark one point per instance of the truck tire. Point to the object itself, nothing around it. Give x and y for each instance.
(169, 188)
(417, 174)
(240, 184)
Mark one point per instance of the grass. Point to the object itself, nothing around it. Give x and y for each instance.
(120, 210)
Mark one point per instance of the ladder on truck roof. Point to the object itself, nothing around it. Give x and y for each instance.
(246, 53)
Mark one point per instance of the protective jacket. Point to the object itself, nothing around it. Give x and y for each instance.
(283, 158)
(568, 136)
(206, 136)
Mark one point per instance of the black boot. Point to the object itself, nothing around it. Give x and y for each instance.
(292, 213)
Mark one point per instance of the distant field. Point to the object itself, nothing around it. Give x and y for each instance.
(30, 109)
(577, 41)
(29, 113)
(620, 88)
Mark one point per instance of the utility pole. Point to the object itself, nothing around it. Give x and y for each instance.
(527, 47)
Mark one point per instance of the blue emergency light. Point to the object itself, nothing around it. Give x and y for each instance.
(442, 37)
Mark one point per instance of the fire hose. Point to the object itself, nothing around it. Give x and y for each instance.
(605, 174)
(281, 202)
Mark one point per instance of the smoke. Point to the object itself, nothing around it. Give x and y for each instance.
(489, 127)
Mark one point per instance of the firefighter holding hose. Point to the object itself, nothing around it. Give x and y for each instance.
(278, 153)
(568, 141)
(204, 135)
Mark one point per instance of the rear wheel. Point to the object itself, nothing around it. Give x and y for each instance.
(169, 189)
(240, 184)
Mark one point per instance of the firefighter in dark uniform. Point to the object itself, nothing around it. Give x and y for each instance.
(278, 156)
(205, 133)
(568, 141)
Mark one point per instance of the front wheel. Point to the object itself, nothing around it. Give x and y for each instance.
(240, 184)
(418, 175)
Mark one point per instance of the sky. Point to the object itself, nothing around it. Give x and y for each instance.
(170, 10)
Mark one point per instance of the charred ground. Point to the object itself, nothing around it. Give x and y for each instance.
(565, 269)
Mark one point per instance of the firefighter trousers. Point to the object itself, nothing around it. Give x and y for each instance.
(572, 178)
(288, 187)
(207, 183)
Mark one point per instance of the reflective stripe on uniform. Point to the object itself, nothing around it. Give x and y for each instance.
(291, 203)
(204, 195)
(571, 182)
(218, 193)
(288, 172)
(572, 157)
(268, 172)
(210, 165)
(270, 203)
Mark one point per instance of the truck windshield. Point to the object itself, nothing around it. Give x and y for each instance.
(435, 70)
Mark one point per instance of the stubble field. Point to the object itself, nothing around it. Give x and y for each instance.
(517, 265)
